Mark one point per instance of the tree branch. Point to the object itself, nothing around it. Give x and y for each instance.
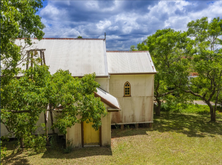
(195, 94)
(164, 94)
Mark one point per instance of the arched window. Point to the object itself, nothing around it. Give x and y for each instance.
(127, 89)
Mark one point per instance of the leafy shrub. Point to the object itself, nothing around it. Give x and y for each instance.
(3, 150)
(187, 108)
(69, 147)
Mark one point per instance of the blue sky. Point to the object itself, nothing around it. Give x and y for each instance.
(126, 22)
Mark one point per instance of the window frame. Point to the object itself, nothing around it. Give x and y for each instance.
(127, 87)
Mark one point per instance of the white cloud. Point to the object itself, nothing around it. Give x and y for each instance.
(92, 5)
(113, 28)
(120, 20)
(103, 24)
(214, 10)
(51, 12)
(179, 21)
(109, 37)
(127, 21)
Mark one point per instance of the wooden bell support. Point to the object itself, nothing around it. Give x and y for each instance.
(29, 59)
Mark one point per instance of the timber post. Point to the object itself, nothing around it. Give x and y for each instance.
(41, 55)
(46, 127)
(136, 126)
(22, 143)
(151, 125)
(51, 115)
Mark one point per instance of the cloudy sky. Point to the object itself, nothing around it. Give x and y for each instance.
(126, 22)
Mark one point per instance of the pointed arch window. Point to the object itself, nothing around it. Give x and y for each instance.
(127, 89)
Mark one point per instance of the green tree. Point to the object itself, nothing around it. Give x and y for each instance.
(18, 20)
(204, 50)
(167, 51)
(24, 99)
(132, 48)
(79, 37)
(76, 98)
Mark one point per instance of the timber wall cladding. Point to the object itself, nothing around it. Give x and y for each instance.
(139, 107)
(106, 129)
(74, 135)
(104, 83)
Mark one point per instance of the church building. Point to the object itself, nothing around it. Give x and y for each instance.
(126, 81)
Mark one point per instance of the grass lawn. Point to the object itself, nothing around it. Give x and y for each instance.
(176, 138)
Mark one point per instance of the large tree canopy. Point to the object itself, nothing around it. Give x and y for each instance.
(76, 98)
(18, 20)
(24, 99)
(37, 91)
(205, 52)
(176, 55)
(167, 49)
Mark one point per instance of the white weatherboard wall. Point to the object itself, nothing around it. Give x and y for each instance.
(4, 131)
(74, 135)
(139, 107)
(104, 83)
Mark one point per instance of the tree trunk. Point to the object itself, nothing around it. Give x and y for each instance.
(158, 107)
(46, 127)
(22, 144)
(212, 112)
(53, 130)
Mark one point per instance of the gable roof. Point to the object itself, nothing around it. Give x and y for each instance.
(130, 62)
(86, 56)
(79, 56)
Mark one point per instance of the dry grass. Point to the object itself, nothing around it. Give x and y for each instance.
(174, 139)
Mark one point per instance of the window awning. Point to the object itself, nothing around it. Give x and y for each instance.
(108, 99)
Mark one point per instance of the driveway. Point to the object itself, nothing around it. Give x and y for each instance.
(200, 102)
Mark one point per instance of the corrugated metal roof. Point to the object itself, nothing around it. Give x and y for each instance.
(108, 98)
(126, 62)
(79, 56)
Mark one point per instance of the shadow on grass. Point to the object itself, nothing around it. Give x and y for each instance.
(21, 161)
(128, 132)
(15, 158)
(78, 153)
(193, 125)
(57, 150)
